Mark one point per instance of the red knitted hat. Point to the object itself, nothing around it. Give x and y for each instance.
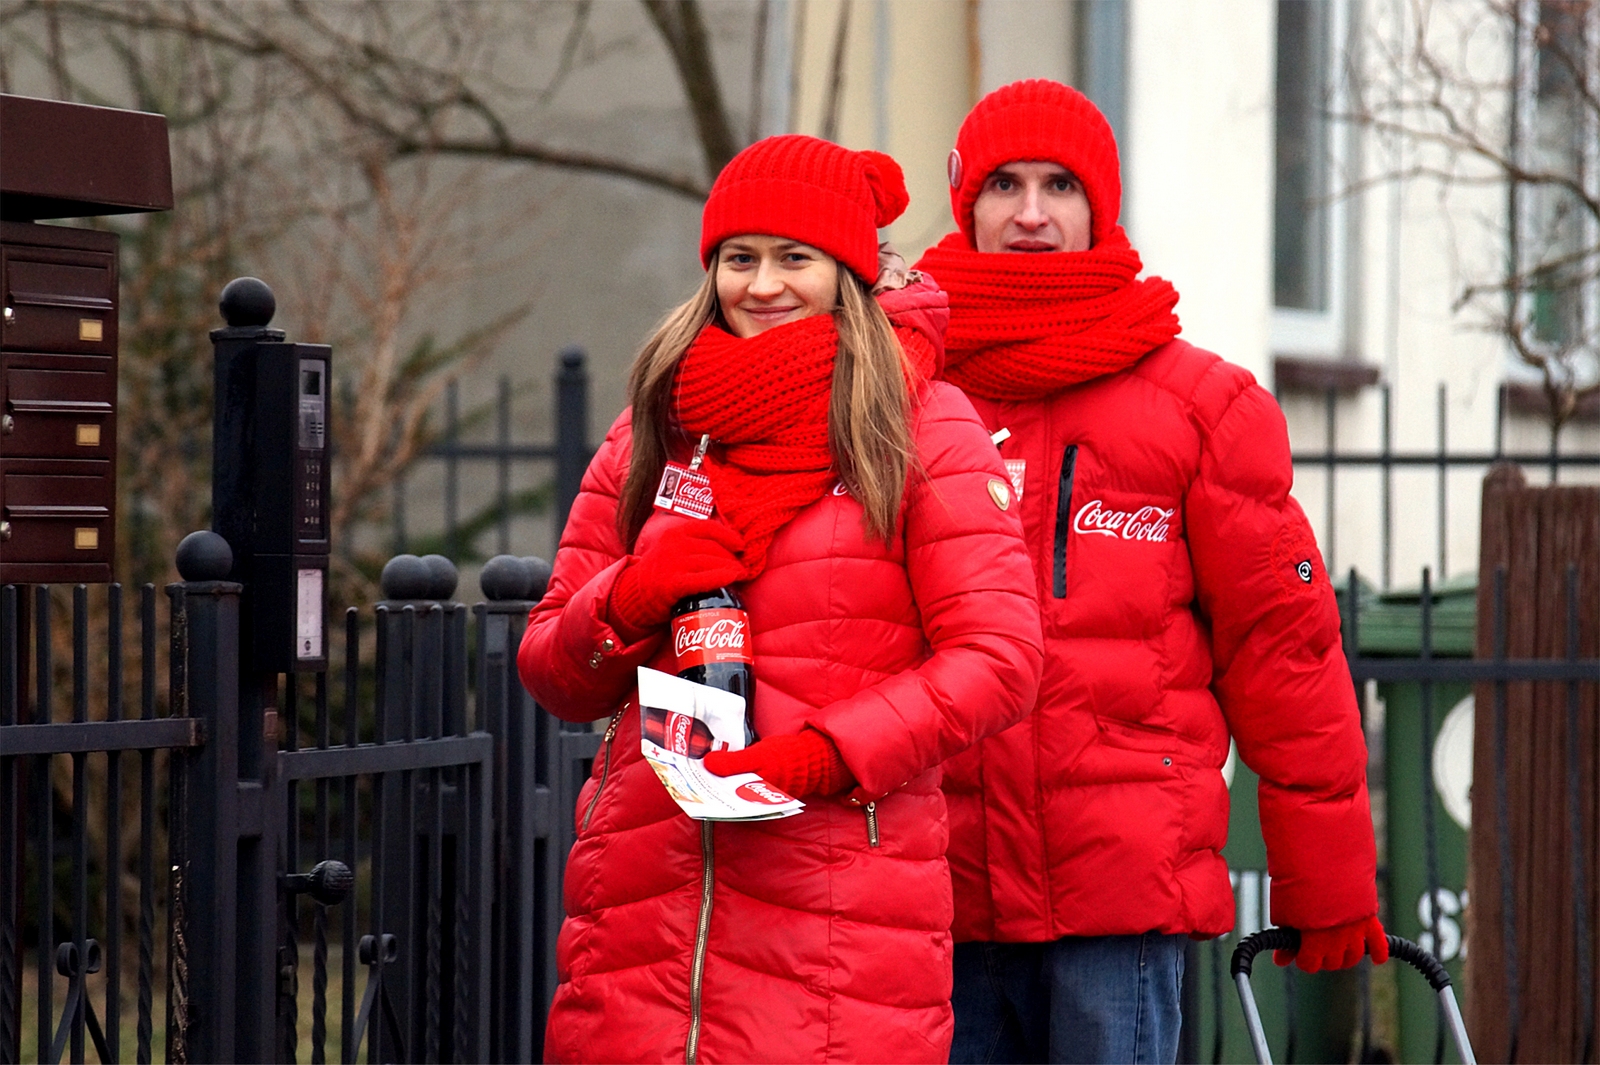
(808, 190)
(1037, 120)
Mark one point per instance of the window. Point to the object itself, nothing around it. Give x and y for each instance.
(1555, 235)
(1309, 218)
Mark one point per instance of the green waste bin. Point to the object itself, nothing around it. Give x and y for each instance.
(1391, 627)
(1308, 1017)
(1317, 1013)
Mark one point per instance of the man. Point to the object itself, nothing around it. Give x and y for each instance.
(1184, 602)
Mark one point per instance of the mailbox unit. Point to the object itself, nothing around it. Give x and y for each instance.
(58, 334)
(58, 391)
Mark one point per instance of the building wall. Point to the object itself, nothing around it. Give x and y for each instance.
(599, 260)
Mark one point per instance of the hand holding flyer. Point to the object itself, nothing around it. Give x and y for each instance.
(680, 723)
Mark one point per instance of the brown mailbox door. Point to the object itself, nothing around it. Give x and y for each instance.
(56, 512)
(58, 406)
(59, 299)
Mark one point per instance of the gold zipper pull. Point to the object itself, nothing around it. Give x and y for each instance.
(872, 823)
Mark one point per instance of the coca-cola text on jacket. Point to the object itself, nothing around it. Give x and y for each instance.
(1149, 523)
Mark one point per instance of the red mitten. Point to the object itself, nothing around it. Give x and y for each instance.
(806, 763)
(693, 555)
(1339, 947)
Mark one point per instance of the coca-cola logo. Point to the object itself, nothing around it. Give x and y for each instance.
(678, 729)
(722, 634)
(762, 792)
(1148, 523)
(695, 492)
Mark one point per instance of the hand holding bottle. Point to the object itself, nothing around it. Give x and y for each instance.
(692, 555)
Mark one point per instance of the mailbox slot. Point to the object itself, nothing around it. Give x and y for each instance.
(58, 409)
(59, 300)
(56, 511)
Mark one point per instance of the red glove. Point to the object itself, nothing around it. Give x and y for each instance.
(1339, 947)
(806, 763)
(693, 555)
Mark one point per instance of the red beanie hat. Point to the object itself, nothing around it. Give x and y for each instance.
(1037, 121)
(808, 190)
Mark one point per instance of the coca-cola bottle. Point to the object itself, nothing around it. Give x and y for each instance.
(711, 645)
(678, 733)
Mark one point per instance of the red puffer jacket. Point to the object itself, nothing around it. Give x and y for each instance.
(1183, 600)
(824, 936)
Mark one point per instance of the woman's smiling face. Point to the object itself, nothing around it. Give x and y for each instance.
(767, 281)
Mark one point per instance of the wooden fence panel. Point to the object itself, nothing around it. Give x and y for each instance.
(1534, 825)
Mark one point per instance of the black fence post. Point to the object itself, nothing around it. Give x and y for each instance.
(527, 890)
(205, 652)
(572, 430)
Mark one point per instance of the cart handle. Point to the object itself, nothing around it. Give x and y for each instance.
(1289, 939)
(1244, 954)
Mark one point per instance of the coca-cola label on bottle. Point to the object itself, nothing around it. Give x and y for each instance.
(707, 637)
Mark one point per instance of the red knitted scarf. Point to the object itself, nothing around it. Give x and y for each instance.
(764, 400)
(1023, 326)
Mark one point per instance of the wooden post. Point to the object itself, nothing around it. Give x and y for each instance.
(1534, 795)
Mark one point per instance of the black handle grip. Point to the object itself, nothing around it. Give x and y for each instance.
(1244, 954)
(1421, 960)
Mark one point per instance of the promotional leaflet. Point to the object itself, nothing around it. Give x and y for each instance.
(680, 723)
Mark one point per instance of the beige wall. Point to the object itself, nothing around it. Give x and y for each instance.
(904, 91)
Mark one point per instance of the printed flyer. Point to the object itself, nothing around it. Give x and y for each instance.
(680, 723)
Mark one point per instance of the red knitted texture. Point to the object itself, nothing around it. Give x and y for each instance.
(1026, 325)
(808, 190)
(764, 400)
(1038, 121)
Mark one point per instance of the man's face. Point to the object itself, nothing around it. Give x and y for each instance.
(1031, 207)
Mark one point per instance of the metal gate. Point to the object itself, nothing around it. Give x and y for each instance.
(243, 862)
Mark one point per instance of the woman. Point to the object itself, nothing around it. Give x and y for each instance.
(864, 516)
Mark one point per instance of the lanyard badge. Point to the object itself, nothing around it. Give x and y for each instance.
(685, 489)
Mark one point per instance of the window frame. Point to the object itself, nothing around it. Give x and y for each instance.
(1324, 333)
(1525, 223)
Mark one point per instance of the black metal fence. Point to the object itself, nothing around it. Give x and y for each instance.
(1334, 458)
(462, 524)
(424, 813)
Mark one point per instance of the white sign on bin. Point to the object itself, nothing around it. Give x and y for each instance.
(308, 624)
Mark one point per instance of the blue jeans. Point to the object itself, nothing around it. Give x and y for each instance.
(1077, 999)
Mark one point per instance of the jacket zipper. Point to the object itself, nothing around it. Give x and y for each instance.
(605, 771)
(872, 823)
(1069, 464)
(697, 968)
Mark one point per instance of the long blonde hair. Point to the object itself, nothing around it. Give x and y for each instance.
(869, 413)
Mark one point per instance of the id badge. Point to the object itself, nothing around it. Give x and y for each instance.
(684, 491)
(1017, 469)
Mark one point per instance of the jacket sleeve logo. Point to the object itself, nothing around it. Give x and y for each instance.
(1000, 492)
(1150, 524)
(1303, 570)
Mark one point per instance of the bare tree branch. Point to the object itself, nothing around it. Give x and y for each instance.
(685, 35)
(418, 107)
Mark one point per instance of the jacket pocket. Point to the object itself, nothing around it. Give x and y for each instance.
(1126, 752)
(1069, 467)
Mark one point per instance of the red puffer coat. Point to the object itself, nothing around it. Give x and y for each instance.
(824, 936)
(1183, 600)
